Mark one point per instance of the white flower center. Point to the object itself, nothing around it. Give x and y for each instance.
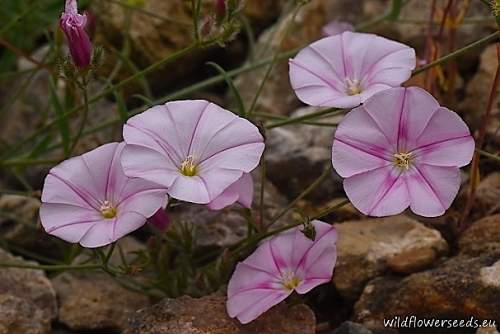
(290, 281)
(403, 160)
(188, 167)
(108, 211)
(353, 86)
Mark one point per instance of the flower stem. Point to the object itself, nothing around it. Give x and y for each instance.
(83, 121)
(458, 52)
(326, 173)
(300, 119)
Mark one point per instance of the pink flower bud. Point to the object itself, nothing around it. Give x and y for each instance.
(220, 9)
(73, 25)
(160, 220)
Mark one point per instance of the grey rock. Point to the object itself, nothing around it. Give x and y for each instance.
(368, 248)
(459, 288)
(350, 327)
(297, 155)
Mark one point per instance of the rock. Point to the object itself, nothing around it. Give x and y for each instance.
(25, 117)
(297, 155)
(20, 228)
(487, 194)
(458, 289)
(350, 327)
(227, 227)
(95, 301)
(17, 315)
(412, 26)
(368, 248)
(27, 298)
(277, 95)
(151, 39)
(31, 285)
(477, 93)
(207, 315)
(487, 330)
(482, 236)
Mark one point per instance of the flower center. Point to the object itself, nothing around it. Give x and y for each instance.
(108, 211)
(188, 167)
(353, 87)
(403, 160)
(290, 281)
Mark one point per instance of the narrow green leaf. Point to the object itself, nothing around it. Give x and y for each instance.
(62, 119)
(121, 106)
(232, 88)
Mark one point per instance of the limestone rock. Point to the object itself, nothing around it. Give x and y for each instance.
(460, 288)
(17, 315)
(298, 154)
(207, 315)
(368, 248)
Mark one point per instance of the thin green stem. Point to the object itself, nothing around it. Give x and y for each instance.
(326, 173)
(274, 60)
(489, 155)
(83, 121)
(300, 119)
(458, 52)
(108, 91)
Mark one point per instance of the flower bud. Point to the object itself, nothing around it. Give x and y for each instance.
(220, 9)
(73, 26)
(160, 220)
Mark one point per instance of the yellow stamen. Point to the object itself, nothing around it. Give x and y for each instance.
(188, 167)
(353, 87)
(403, 160)
(108, 211)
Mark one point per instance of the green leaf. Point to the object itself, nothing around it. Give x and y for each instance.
(121, 106)
(232, 88)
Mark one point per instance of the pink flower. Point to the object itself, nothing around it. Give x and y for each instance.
(73, 25)
(344, 70)
(241, 191)
(401, 149)
(285, 263)
(89, 200)
(195, 149)
(336, 27)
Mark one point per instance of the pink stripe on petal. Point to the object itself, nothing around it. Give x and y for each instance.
(250, 305)
(432, 189)
(380, 192)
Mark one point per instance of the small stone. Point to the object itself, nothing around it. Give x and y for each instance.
(350, 327)
(367, 247)
(207, 315)
(482, 236)
(224, 228)
(459, 288)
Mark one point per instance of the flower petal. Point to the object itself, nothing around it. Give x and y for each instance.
(249, 305)
(321, 73)
(316, 259)
(359, 144)
(68, 222)
(158, 168)
(190, 188)
(380, 192)
(432, 189)
(446, 141)
(240, 191)
(127, 223)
